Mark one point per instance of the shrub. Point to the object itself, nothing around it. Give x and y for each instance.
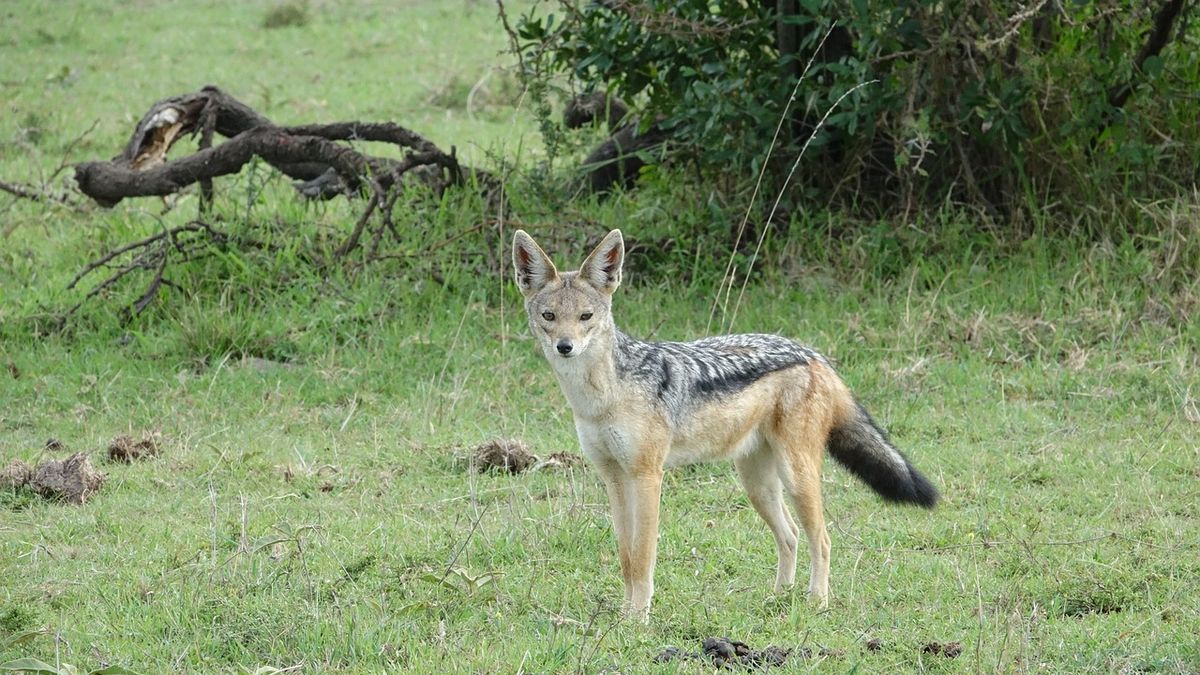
(992, 103)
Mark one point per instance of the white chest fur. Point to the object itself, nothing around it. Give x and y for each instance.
(606, 442)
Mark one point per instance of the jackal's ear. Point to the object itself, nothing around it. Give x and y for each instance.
(531, 264)
(602, 269)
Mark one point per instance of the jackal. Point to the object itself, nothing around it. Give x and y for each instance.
(767, 403)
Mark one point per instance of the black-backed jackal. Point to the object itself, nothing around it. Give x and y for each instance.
(765, 402)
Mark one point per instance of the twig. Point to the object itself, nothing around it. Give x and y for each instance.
(351, 243)
(152, 288)
(665, 23)
(385, 225)
(193, 226)
(601, 607)
(32, 193)
(1157, 38)
(152, 257)
(63, 164)
(208, 123)
(467, 540)
(513, 41)
(23, 191)
(1014, 25)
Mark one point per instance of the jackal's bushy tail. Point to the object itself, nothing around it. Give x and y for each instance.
(862, 447)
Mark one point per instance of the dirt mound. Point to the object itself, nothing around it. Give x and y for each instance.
(126, 449)
(72, 480)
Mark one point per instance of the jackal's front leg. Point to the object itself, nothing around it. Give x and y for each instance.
(643, 491)
(618, 504)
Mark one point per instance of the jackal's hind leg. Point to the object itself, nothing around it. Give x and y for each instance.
(805, 487)
(759, 473)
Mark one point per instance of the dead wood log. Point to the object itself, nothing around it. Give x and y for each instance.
(621, 156)
(312, 153)
(587, 109)
(322, 158)
(619, 159)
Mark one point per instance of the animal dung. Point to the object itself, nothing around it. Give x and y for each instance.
(126, 449)
(73, 480)
(508, 455)
(504, 454)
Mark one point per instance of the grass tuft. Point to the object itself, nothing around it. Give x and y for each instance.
(293, 13)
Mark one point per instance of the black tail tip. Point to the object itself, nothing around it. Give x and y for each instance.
(920, 491)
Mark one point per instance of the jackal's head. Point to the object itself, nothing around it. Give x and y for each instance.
(568, 311)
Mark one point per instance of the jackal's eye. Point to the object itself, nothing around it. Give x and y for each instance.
(585, 316)
(549, 316)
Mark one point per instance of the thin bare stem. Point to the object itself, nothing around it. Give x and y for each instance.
(763, 234)
(758, 184)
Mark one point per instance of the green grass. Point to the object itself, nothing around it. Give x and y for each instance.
(67, 65)
(313, 491)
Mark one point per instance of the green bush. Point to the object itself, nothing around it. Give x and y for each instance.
(994, 103)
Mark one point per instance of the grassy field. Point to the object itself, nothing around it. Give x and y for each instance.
(313, 506)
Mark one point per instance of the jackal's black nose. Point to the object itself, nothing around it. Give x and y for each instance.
(563, 347)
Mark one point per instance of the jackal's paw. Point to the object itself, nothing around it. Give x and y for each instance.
(819, 598)
(635, 613)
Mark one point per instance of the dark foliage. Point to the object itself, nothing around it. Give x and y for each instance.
(993, 103)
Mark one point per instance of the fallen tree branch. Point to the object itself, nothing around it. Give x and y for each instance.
(24, 191)
(155, 253)
(110, 182)
(43, 195)
(311, 153)
(322, 158)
